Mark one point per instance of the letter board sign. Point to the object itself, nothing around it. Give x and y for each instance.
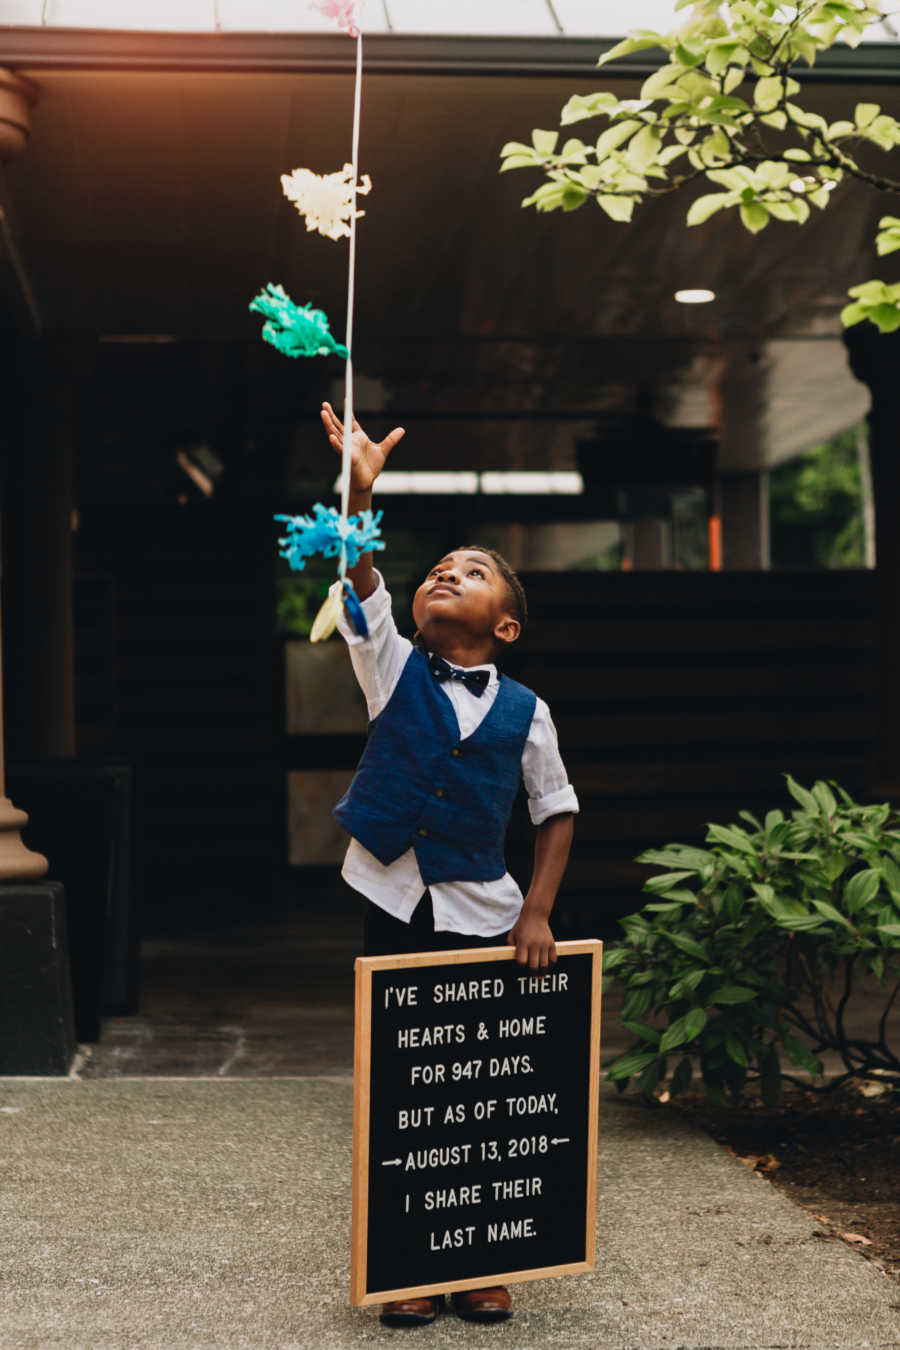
(475, 1120)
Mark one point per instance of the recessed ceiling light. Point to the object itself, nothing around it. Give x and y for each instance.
(695, 297)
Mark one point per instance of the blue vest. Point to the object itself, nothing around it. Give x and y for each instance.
(418, 785)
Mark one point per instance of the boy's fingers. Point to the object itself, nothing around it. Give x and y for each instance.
(391, 439)
(331, 419)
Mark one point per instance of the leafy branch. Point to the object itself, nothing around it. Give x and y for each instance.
(729, 966)
(722, 107)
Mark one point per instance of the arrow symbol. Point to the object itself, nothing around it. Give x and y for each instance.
(395, 1162)
(560, 1141)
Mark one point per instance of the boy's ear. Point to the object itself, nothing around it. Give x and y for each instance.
(507, 629)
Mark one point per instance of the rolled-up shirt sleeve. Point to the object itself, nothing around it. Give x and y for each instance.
(378, 659)
(546, 782)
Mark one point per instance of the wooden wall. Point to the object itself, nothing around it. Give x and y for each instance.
(680, 698)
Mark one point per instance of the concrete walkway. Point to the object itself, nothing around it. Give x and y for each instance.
(200, 1214)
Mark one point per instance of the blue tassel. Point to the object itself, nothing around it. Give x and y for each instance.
(354, 610)
(326, 532)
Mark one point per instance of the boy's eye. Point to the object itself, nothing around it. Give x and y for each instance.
(476, 572)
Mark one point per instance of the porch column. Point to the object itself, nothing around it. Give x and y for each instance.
(744, 500)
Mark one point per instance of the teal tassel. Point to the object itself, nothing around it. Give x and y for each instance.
(326, 532)
(292, 329)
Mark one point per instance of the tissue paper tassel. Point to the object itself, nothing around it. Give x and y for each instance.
(326, 532)
(293, 329)
(327, 201)
(344, 13)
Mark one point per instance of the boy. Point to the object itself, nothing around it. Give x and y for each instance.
(428, 808)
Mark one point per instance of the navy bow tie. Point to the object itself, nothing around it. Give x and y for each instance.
(474, 680)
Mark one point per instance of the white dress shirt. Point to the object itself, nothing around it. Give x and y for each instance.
(476, 908)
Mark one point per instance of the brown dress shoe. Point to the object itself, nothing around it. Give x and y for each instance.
(483, 1305)
(411, 1312)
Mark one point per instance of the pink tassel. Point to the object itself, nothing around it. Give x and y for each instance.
(343, 12)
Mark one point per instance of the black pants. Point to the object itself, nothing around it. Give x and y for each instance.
(383, 935)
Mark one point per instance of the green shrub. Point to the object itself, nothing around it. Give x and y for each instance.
(732, 967)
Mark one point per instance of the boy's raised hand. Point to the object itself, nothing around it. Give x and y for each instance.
(368, 457)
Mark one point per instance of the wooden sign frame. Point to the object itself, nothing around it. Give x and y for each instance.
(365, 966)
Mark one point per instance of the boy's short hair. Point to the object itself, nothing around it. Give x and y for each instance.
(517, 602)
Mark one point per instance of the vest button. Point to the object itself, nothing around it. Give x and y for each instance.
(455, 752)
(439, 792)
(423, 832)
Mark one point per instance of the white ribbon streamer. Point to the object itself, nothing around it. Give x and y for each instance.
(347, 446)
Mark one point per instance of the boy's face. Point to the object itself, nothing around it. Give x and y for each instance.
(465, 594)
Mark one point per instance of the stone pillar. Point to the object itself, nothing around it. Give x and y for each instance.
(16, 861)
(38, 545)
(744, 500)
(875, 361)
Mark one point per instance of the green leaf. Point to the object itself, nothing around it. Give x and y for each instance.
(615, 134)
(731, 993)
(802, 118)
(890, 872)
(704, 207)
(829, 912)
(644, 1032)
(861, 889)
(768, 93)
(755, 217)
(679, 855)
(683, 1029)
(617, 208)
(735, 1049)
(669, 908)
(544, 141)
(732, 903)
(887, 317)
(661, 81)
(643, 148)
(581, 106)
(801, 795)
(724, 52)
(517, 162)
(825, 797)
(889, 929)
(689, 946)
(517, 148)
(853, 313)
(732, 836)
(614, 956)
(633, 1062)
(632, 44)
(887, 242)
(665, 881)
(801, 1055)
(864, 114)
(651, 1076)
(839, 129)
